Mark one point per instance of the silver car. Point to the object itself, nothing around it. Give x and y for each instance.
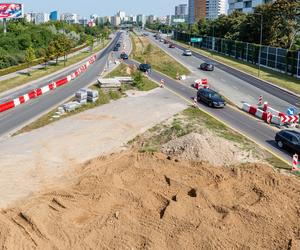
(187, 52)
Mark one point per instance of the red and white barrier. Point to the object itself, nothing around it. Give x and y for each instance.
(201, 83)
(40, 91)
(270, 115)
(260, 100)
(261, 114)
(295, 163)
(289, 118)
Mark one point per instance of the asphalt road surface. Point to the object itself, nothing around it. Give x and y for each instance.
(255, 129)
(23, 114)
(235, 85)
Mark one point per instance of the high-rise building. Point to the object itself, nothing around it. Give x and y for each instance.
(141, 19)
(122, 15)
(54, 16)
(168, 20)
(115, 20)
(69, 17)
(197, 10)
(132, 18)
(246, 6)
(215, 8)
(107, 19)
(30, 17)
(41, 18)
(181, 10)
(151, 19)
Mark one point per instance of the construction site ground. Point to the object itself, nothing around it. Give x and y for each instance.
(144, 172)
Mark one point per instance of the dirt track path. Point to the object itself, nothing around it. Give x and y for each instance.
(30, 160)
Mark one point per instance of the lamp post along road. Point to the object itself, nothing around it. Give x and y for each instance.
(260, 41)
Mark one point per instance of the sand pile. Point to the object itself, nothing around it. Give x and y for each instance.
(144, 201)
(207, 147)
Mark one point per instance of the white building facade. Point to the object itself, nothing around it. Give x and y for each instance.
(245, 6)
(69, 17)
(41, 18)
(141, 19)
(215, 8)
(181, 10)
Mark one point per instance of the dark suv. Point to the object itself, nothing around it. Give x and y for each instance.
(124, 56)
(145, 67)
(207, 67)
(211, 98)
(288, 139)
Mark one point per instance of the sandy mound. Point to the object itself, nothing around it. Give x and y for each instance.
(206, 147)
(143, 201)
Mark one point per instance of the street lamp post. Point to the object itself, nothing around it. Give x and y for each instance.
(260, 41)
(213, 41)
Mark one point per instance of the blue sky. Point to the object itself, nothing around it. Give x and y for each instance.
(102, 7)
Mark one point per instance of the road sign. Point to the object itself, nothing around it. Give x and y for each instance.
(196, 40)
(289, 118)
(291, 111)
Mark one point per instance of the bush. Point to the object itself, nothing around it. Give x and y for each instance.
(138, 79)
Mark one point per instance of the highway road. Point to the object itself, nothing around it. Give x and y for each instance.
(235, 85)
(255, 129)
(23, 114)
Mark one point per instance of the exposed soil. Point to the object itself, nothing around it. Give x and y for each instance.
(146, 201)
(207, 147)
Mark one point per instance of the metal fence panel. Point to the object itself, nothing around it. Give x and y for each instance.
(274, 58)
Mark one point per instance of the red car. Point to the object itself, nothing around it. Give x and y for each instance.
(171, 46)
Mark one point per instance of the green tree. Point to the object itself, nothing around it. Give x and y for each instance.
(90, 42)
(29, 58)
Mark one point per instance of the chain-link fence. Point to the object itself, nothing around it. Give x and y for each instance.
(278, 59)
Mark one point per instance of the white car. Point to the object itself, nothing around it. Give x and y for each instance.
(187, 52)
(161, 40)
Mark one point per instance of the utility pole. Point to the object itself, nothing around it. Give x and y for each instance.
(260, 42)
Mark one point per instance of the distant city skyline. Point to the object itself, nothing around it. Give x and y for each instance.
(88, 7)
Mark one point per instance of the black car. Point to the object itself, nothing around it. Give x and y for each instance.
(172, 46)
(288, 139)
(124, 56)
(144, 67)
(118, 45)
(116, 49)
(207, 67)
(211, 98)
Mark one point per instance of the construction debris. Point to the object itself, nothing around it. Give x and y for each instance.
(110, 83)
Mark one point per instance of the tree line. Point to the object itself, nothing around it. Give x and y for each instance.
(24, 42)
(280, 22)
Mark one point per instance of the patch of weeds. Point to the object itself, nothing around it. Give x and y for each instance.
(297, 174)
(177, 128)
(277, 163)
(149, 148)
(114, 95)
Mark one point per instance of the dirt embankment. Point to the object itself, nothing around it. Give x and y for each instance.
(209, 148)
(145, 201)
